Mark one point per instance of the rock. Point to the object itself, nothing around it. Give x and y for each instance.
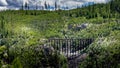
(74, 62)
(70, 26)
(81, 57)
(47, 49)
(82, 26)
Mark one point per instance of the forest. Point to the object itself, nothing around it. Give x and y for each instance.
(24, 32)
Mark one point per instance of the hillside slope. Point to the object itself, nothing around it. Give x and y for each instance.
(23, 31)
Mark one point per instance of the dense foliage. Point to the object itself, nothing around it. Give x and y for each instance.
(23, 32)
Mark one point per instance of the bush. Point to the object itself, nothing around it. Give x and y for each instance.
(16, 63)
(35, 57)
(102, 56)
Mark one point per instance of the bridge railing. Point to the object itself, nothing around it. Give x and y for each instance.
(69, 47)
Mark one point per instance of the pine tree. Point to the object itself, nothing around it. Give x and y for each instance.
(56, 6)
(22, 7)
(36, 7)
(26, 5)
(46, 5)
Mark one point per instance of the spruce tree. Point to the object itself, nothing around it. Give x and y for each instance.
(26, 5)
(45, 5)
(36, 7)
(56, 6)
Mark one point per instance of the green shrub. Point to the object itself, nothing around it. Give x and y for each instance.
(102, 56)
(35, 56)
(16, 63)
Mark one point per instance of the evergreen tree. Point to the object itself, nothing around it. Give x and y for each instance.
(56, 6)
(22, 7)
(45, 5)
(36, 7)
(26, 5)
(93, 10)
